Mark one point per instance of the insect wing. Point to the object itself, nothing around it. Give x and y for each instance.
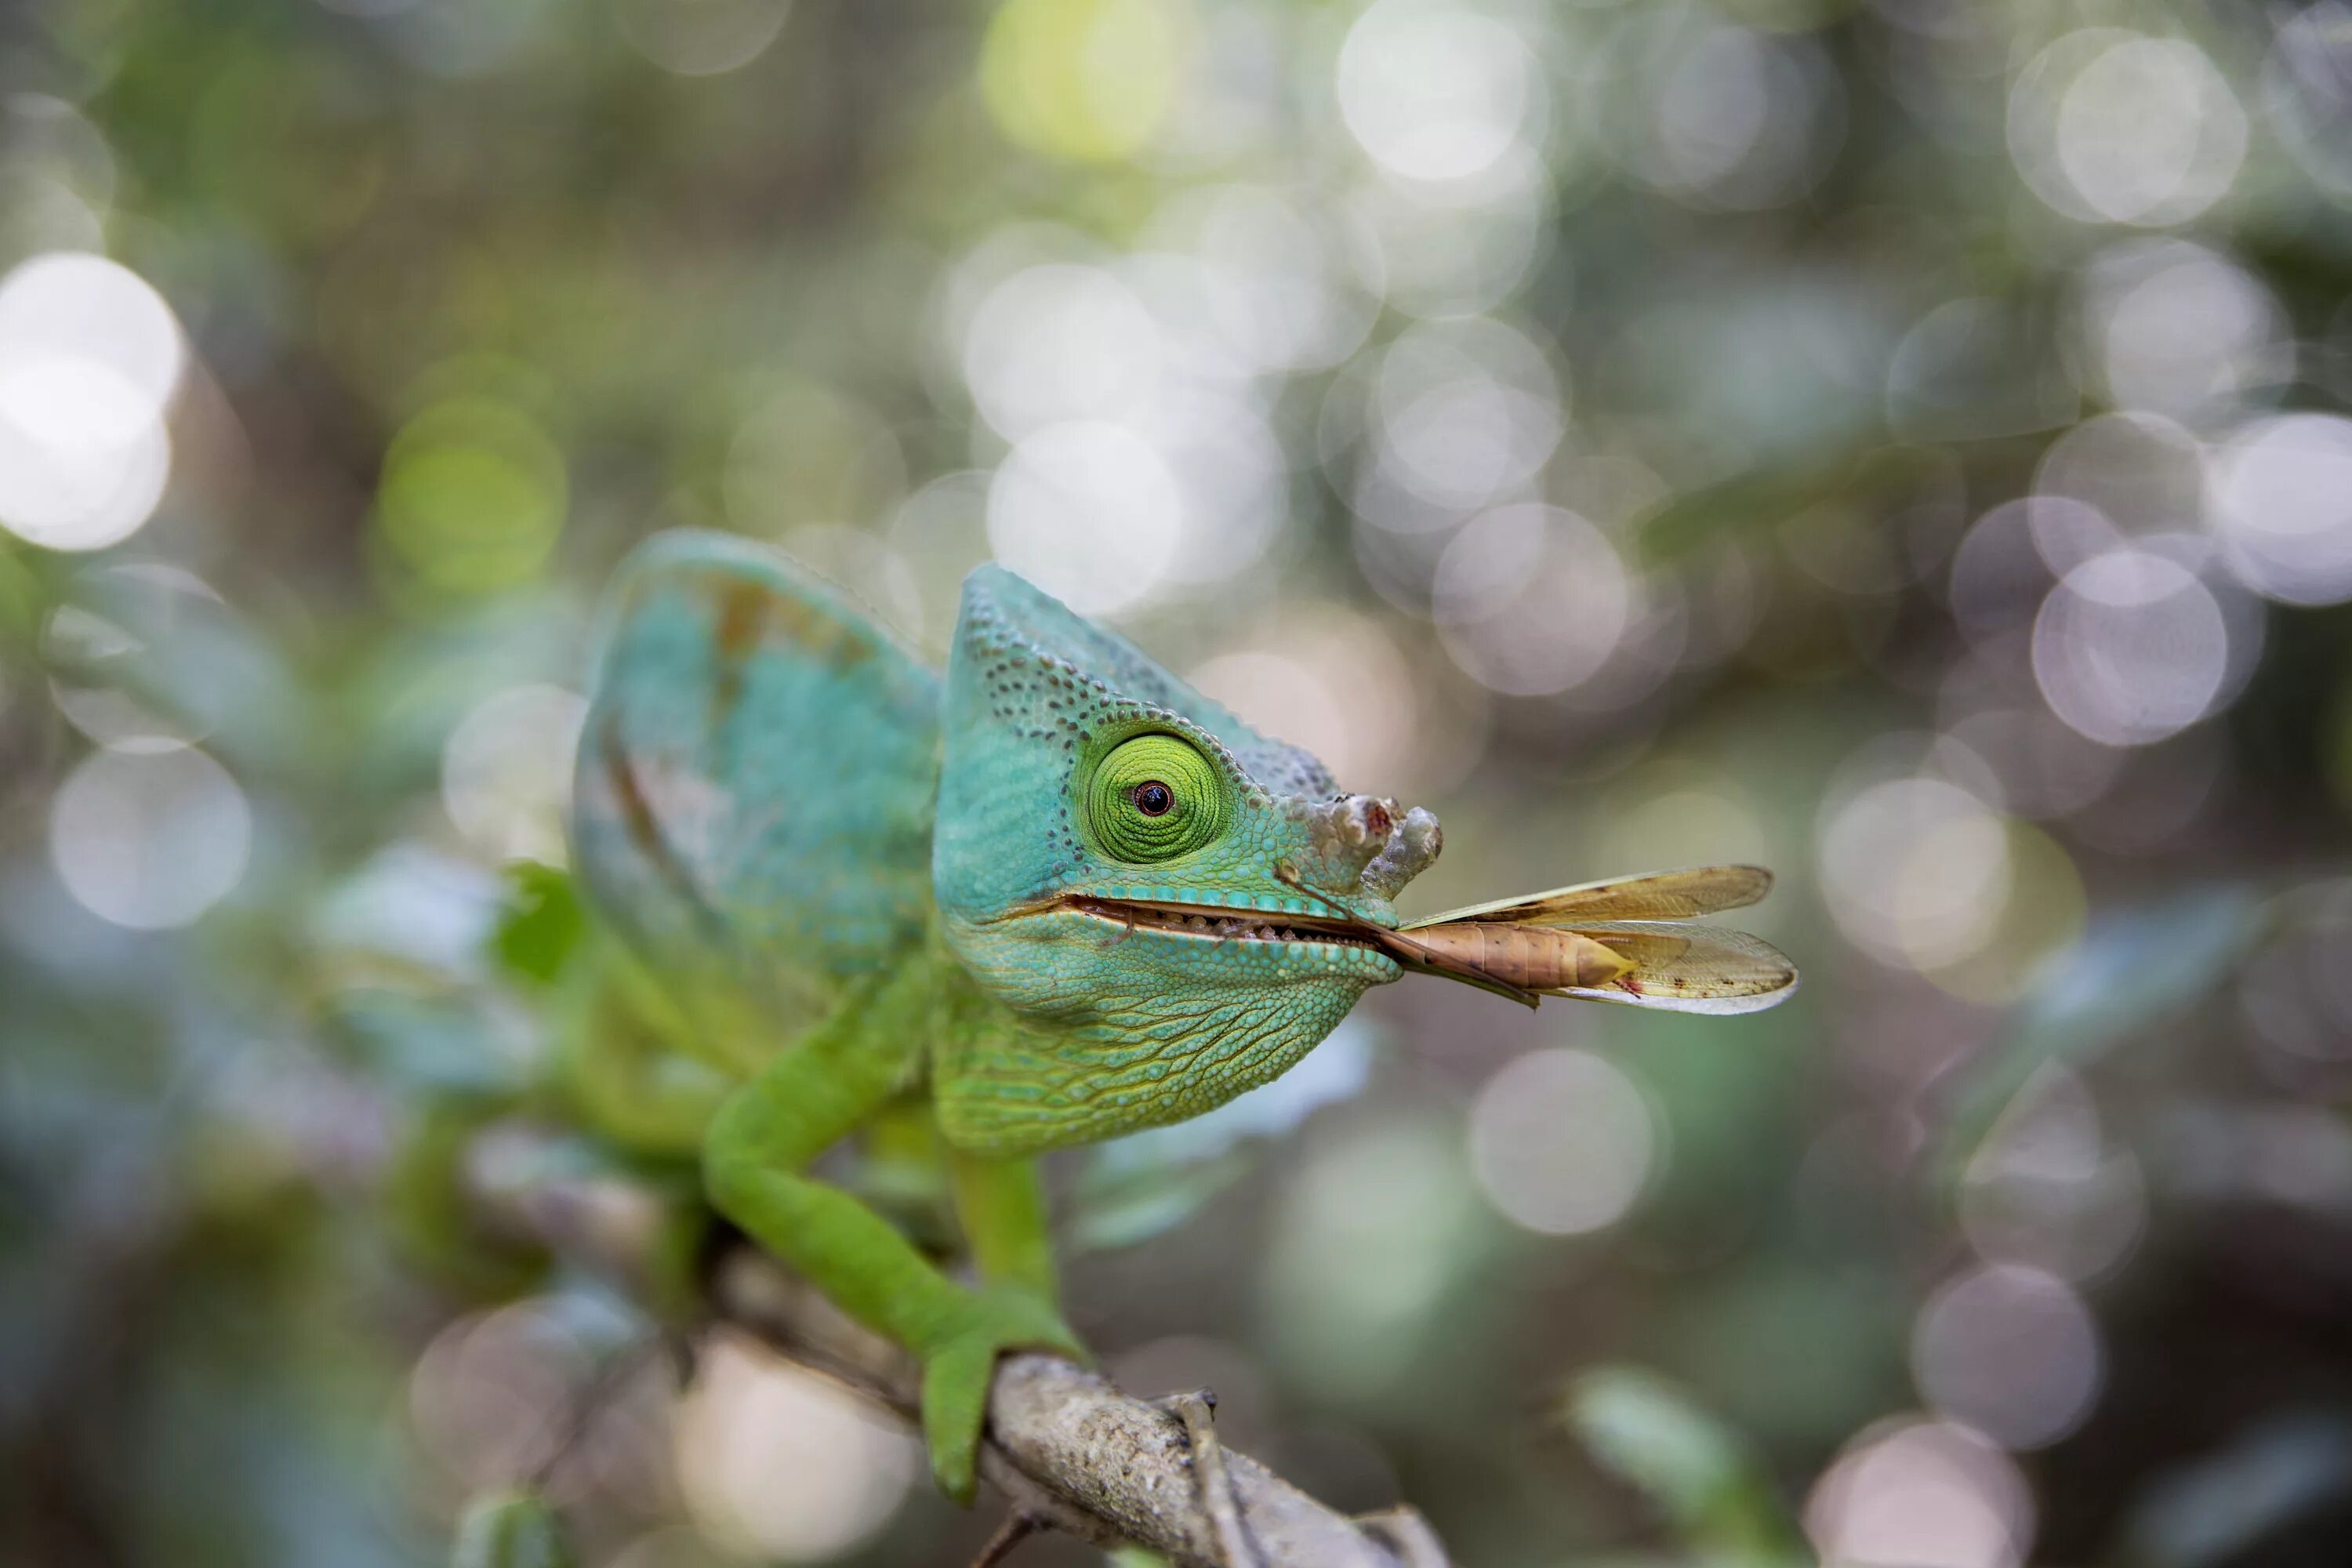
(1653, 896)
(1679, 967)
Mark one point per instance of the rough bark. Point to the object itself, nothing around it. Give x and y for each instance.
(1066, 1448)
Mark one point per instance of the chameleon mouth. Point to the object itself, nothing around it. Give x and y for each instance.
(1209, 922)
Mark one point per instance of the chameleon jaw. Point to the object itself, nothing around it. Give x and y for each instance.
(1209, 922)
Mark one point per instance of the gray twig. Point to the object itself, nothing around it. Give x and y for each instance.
(1197, 1411)
(1403, 1528)
(1017, 1528)
(1068, 1451)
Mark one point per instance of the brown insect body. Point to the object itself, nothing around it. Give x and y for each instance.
(1524, 957)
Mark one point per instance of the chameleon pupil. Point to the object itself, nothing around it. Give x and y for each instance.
(1154, 797)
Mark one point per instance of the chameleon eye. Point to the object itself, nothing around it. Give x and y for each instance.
(1155, 797)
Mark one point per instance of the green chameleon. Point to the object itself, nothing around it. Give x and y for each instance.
(1054, 897)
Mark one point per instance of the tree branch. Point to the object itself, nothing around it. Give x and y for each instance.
(1065, 1448)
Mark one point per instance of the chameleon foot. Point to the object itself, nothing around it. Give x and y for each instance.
(960, 1365)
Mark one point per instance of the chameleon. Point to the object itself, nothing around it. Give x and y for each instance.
(1049, 896)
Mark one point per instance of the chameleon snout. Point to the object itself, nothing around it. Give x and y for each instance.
(1370, 842)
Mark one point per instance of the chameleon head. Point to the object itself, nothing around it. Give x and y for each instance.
(1160, 897)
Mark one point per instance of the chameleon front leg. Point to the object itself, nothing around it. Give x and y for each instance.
(1001, 1205)
(769, 1131)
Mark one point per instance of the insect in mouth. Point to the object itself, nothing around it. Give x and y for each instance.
(1629, 940)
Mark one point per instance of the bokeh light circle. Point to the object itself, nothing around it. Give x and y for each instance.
(2112, 126)
(506, 772)
(1917, 871)
(1061, 341)
(2044, 1190)
(1278, 294)
(1089, 511)
(2011, 1352)
(1730, 118)
(1436, 93)
(2282, 505)
(779, 1463)
(473, 495)
(1085, 80)
(2307, 91)
(90, 358)
(1921, 1494)
(1562, 1141)
(2131, 646)
(2180, 330)
(1532, 600)
(149, 840)
(701, 37)
(1464, 411)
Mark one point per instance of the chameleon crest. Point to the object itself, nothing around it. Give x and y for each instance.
(752, 799)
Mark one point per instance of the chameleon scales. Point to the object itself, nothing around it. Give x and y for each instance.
(1053, 897)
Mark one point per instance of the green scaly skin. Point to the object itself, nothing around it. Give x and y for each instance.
(858, 883)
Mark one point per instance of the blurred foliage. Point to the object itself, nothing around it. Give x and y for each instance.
(512, 1529)
(1700, 1474)
(1905, 442)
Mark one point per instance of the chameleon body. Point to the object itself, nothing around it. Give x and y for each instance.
(1054, 897)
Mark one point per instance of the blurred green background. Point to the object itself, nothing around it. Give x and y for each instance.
(1904, 442)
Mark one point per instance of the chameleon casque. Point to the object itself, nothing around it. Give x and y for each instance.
(1053, 897)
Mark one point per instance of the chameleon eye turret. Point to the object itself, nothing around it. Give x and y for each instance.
(1155, 798)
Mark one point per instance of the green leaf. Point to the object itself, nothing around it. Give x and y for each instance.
(1701, 1475)
(510, 1529)
(542, 922)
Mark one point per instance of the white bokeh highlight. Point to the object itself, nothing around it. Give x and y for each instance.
(149, 840)
(2131, 646)
(2281, 504)
(1921, 1494)
(777, 1462)
(1918, 870)
(2011, 1352)
(90, 357)
(2112, 126)
(1438, 93)
(1089, 511)
(1562, 1141)
(1531, 600)
(506, 772)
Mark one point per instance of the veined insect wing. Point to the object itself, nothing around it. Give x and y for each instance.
(1652, 895)
(1677, 967)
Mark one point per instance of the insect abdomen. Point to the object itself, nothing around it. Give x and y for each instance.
(1532, 958)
